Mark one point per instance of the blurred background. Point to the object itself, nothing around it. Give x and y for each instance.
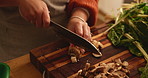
(109, 9)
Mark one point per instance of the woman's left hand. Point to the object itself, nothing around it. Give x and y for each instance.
(79, 27)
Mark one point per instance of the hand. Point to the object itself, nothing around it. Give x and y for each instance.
(35, 11)
(81, 28)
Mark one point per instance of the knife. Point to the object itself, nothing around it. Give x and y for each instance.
(74, 38)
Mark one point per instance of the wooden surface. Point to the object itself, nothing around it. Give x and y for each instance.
(22, 68)
(53, 57)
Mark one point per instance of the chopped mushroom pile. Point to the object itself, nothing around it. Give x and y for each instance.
(76, 52)
(115, 69)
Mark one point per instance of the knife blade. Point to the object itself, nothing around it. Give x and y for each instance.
(74, 38)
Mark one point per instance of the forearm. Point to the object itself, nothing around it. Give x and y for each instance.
(5, 3)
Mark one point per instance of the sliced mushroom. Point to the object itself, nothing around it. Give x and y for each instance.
(125, 63)
(95, 43)
(73, 59)
(79, 72)
(83, 72)
(121, 74)
(101, 45)
(96, 55)
(125, 70)
(98, 69)
(115, 75)
(74, 53)
(98, 76)
(118, 61)
(111, 65)
(87, 66)
(115, 69)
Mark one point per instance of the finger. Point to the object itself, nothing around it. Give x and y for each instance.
(89, 37)
(32, 19)
(82, 50)
(71, 27)
(39, 21)
(79, 29)
(46, 18)
(22, 14)
(86, 31)
(28, 17)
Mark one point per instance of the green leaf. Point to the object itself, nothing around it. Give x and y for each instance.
(114, 38)
(144, 71)
(116, 34)
(125, 42)
(134, 50)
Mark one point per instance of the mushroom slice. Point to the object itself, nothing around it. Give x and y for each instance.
(87, 66)
(125, 63)
(96, 55)
(114, 69)
(73, 59)
(80, 72)
(118, 61)
(95, 43)
(98, 76)
(101, 45)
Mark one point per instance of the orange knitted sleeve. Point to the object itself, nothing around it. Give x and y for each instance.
(90, 5)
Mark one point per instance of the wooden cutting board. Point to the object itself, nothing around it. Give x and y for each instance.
(53, 59)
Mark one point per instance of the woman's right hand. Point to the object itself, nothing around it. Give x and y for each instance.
(35, 11)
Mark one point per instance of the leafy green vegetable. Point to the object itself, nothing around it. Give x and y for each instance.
(143, 71)
(131, 30)
(116, 34)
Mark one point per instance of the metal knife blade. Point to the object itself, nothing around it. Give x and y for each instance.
(74, 38)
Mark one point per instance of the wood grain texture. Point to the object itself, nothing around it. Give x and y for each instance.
(53, 57)
(22, 68)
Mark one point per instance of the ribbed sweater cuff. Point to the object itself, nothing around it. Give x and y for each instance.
(90, 5)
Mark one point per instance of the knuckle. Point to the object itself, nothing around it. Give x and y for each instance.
(46, 21)
(88, 27)
(79, 22)
(80, 33)
(86, 35)
(38, 12)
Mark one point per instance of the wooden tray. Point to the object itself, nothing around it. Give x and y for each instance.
(54, 60)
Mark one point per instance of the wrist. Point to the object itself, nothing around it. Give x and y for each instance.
(85, 11)
(80, 13)
(77, 17)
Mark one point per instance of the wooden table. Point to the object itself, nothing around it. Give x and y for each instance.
(22, 68)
